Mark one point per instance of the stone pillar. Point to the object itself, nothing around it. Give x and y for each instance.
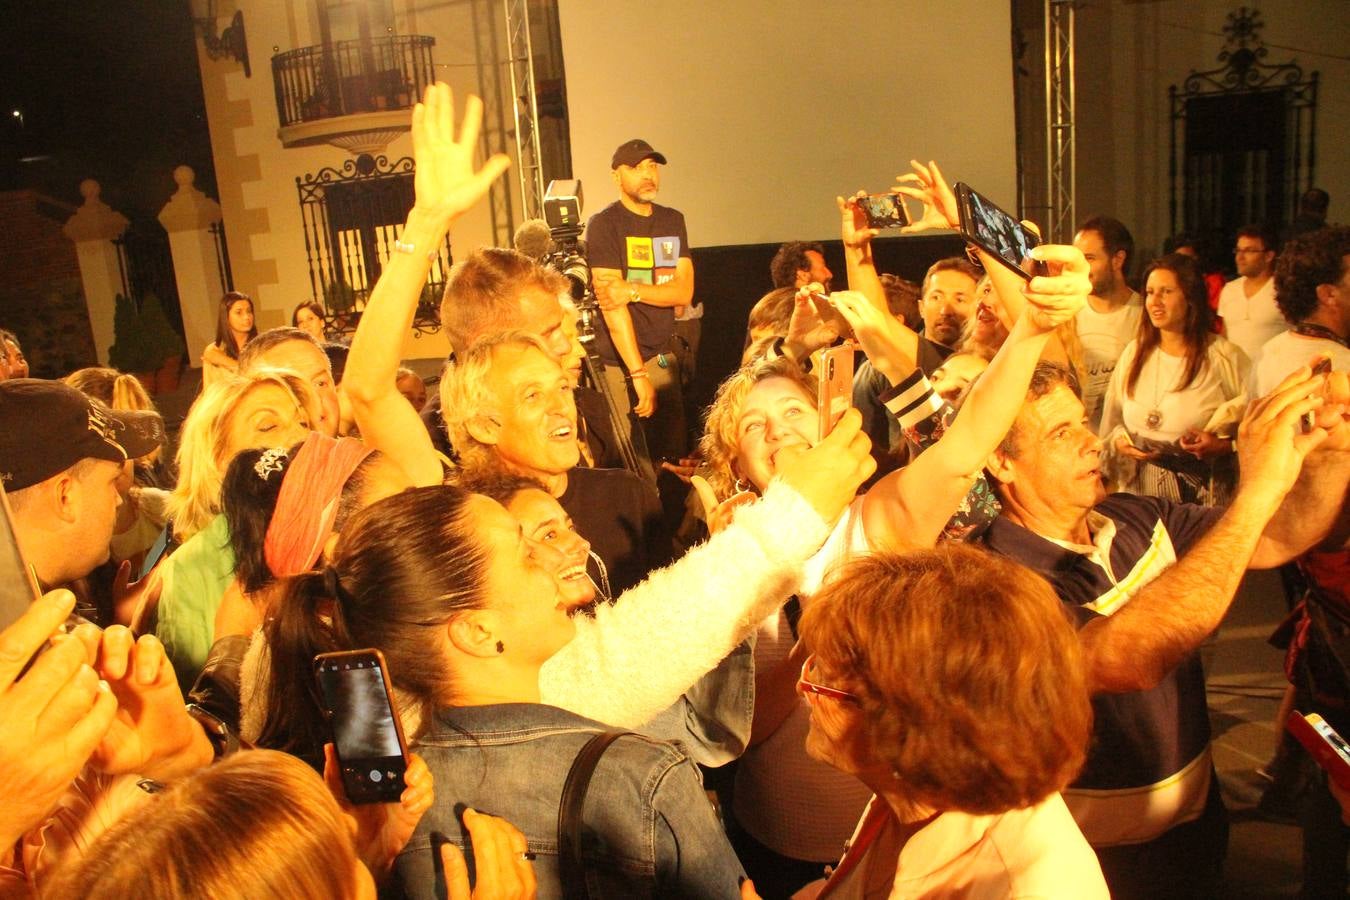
(93, 228)
(188, 217)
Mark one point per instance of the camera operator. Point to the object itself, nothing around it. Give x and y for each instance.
(639, 256)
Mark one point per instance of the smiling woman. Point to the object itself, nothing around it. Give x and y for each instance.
(464, 605)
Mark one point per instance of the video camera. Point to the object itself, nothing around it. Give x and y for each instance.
(562, 211)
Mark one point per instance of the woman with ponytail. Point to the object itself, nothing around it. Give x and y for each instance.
(466, 609)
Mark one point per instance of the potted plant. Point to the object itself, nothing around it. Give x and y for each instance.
(164, 345)
(129, 351)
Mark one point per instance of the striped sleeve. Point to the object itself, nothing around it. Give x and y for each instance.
(917, 407)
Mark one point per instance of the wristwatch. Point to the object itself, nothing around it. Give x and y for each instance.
(633, 295)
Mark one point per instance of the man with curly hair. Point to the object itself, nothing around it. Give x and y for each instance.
(1312, 289)
(798, 263)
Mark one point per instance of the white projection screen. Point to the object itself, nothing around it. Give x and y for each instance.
(767, 110)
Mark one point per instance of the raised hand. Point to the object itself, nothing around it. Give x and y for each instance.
(1334, 416)
(829, 474)
(152, 733)
(853, 225)
(880, 333)
(927, 185)
(1056, 297)
(1271, 443)
(383, 829)
(51, 718)
(807, 332)
(445, 181)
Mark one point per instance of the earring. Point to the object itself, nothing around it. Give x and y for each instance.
(742, 485)
(501, 648)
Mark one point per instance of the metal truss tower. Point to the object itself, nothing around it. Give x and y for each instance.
(1060, 142)
(494, 135)
(520, 59)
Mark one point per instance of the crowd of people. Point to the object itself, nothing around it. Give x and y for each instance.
(947, 646)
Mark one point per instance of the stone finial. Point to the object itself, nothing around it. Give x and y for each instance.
(188, 209)
(95, 220)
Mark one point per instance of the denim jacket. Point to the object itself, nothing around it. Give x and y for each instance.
(648, 828)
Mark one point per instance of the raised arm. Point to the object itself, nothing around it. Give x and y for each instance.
(689, 615)
(446, 185)
(909, 507)
(1134, 648)
(1315, 509)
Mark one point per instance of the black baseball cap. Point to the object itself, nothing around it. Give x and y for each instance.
(47, 426)
(634, 152)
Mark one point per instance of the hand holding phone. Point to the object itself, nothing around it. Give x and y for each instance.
(883, 210)
(834, 387)
(996, 232)
(1327, 747)
(367, 734)
(54, 715)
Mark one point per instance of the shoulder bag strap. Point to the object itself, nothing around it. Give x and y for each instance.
(570, 870)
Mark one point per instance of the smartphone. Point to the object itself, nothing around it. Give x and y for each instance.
(18, 581)
(997, 233)
(884, 210)
(155, 553)
(1327, 747)
(1321, 367)
(835, 388)
(367, 734)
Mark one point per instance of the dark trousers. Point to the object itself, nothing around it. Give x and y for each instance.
(776, 877)
(1326, 841)
(1185, 863)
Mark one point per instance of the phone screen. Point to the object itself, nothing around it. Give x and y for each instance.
(884, 210)
(365, 731)
(991, 229)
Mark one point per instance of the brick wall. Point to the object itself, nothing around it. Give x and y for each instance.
(41, 297)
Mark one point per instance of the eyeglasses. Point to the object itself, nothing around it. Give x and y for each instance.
(808, 687)
(1249, 250)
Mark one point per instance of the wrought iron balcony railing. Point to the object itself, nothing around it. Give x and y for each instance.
(351, 77)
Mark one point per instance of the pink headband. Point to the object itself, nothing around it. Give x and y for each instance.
(308, 503)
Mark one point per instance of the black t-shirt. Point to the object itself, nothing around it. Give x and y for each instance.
(620, 515)
(647, 250)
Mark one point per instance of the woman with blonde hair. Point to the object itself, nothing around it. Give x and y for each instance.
(263, 824)
(266, 409)
(908, 681)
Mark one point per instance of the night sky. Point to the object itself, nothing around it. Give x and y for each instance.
(109, 89)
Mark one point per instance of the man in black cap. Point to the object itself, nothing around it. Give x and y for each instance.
(639, 256)
(61, 456)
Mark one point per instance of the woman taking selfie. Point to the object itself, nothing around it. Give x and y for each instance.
(466, 609)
